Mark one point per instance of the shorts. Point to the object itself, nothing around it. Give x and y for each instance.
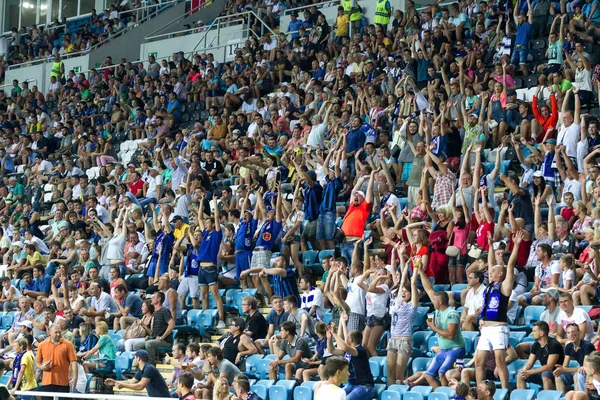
(189, 285)
(552, 68)
(537, 378)
(519, 55)
(326, 226)
(310, 230)
(242, 262)
(356, 322)
(374, 321)
(529, 298)
(400, 345)
(261, 258)
(460, 260)
(208, 276)
(295, 240)
(493, 338)
(444, 361)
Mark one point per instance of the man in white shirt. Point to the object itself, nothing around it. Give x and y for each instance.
(312, 297)
(571, 315)
(568, 135)
(153, 187)
(473, 302)
(336, 368)
(316, 138)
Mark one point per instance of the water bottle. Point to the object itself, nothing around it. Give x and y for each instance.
(460, 364)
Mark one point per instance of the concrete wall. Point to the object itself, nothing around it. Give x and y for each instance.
(41, 72)
(224, 42)
(206, 15)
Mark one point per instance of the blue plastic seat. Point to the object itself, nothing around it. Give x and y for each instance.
(260, 390)
(382, 363)
(375, 369)
(310, 257)
(446, 390)
(438, 396)
(500, 394)
(251, 363)
(327, 317)
(287, 384)
(532, 314)
(230, 296)
(262, 368)
(420, 340)
(277, 392)
(549, 395)
(420, 364)
(239, 298)
(7, 321)
(399, 388)
(432, 342)
(303, 393)
(441, 288)
(325, 253)
(250, 291)
(267, 383)
(522, 394)
(470, 338)
(458, 287)
(88, 379)
(123, 364)
(424, 390)
(412, 396)
(4, 379)
(378, 388)
(585, 308)
(390, 395)
(310, 384)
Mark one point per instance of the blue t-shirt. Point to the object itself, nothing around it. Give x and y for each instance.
(209, 247)
(245, 233)
(134, 302)
(313, 197)
(355, 140)
(293, 26)
(174, 105)
(523, 34)
(330, 193)
(268, 234)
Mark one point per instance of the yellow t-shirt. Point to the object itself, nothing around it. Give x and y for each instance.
(28, 382)
(37, 258)
(178, 233)
(342, 25)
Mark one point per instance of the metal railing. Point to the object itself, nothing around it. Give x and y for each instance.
(178, 19)
(159, 8)
(441, 5)
(10, 84)
(318, 5)
(82, 396)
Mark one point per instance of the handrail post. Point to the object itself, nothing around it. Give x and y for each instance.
(219, 33)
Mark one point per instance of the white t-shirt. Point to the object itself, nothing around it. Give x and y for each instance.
(572, 186)
(474, 299)
(568, 275)
(377, 303)
(330, 392)
(153, 182)
(569, 138)
(579, 316)
(355, 298)
(316, 138)
(313, 298)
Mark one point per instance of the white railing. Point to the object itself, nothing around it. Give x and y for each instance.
(318, 5)
(441, 5)
(27, 80)
(159, 8)
(82, 396)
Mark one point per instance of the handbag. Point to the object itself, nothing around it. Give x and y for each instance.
(452, 251)
(134, 331)
(475, 252)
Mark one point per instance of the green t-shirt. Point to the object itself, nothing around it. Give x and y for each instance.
(442, 320)
(107, 348)
(564, 85)
(555, 55)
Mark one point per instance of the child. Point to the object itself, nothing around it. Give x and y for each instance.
(460, 237)
(568, 211)
(185, 383)
(10, 295)
(591, 365)
(341, 25)
(567, 266)
(461, 390)
(23, 374)
(316, 364)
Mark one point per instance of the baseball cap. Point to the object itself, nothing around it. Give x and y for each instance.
(18, 243)
(550, 141)
(360, 193)
(142, 354)
(27, 324)
(131, 166)
(552, 292)
(538, 174)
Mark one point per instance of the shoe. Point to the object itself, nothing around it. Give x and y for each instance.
(221, 325)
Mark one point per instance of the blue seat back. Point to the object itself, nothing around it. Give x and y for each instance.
(277, 392)
(437, 396)
(420, 339)
(260, 390)
(533, 314)
(446, 390)
(549, 395)
(424, 390)
(412, 396)
(390, 395)
(500, 394)
(420, 364)
(303, 393)
(399, 388)
(522, 394)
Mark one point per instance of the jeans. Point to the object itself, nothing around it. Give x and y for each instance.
(347, 249)
(147, 200)
(151, 346)
(358, 392)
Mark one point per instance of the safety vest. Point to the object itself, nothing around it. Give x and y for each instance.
(382, 16)
(355, 14)
(57, 69)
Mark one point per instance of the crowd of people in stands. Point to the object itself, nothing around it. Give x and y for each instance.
(434, 192)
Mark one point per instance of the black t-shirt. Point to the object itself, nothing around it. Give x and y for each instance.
(585, 348)
(522, 206)
(214, 165)
(552, 347)
(156, 383)
(453, 143)
(77, 320)
(437, 43)
(360, 371)
(257, 324)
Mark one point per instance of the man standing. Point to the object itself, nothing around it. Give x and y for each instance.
(311, 297)
(494, 333)
(147, 377)
(55, 357)
(548, 352)
(336, 368)
(357, 214)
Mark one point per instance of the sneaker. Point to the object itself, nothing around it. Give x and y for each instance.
(221, 325)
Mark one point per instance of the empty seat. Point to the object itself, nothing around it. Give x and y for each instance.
(549, 395)
(390, 395)
(500, 394)
(522, 394)
(424, 390)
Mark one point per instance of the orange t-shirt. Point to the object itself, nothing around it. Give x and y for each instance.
(355, 219)
(61, 354)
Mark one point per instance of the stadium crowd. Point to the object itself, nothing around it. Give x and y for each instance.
(411, 216)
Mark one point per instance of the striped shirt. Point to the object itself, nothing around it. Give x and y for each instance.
(403, 315)
(286, 286)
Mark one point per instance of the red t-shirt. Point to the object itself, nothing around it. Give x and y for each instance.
(567, 213)
(424, 250)
(482, 233)
(135, 187)
(355, 219)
